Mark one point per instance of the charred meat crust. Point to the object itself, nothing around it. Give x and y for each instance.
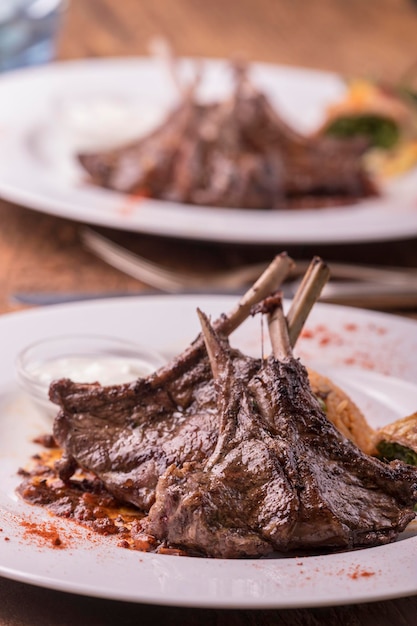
(135, 431)
(233, 456)
(280, 478)
(237, 154)
(307, 485)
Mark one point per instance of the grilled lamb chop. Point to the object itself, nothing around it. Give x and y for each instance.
(235, 153)
(281, 476)
(129, 434)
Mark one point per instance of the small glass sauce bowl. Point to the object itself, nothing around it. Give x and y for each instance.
(83, 359)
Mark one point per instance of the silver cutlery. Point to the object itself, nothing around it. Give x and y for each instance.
(366, 295)
(393, 280)
(364, 286)
(163, 278)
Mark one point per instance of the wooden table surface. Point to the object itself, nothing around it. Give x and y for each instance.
(43, 253)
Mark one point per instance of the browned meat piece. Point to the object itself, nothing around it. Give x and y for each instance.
(218, 508)
(129, 434)
(236, 153)
(281, 476)
(233, 456)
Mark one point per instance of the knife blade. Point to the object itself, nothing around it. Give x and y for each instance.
(358, 294)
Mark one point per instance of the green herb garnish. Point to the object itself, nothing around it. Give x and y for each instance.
(381, 131)
(390, 451)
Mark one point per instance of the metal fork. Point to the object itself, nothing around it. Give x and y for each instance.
(361, 285)
(170, 281)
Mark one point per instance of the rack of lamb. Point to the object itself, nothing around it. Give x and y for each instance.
(281, 476)
(231, 456)
(235, 153)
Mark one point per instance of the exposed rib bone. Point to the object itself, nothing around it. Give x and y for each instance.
(222, 370)
(161, 49)
(268, 282)
(211, 341)
(283, 332)
(279, 333)
(308, 292)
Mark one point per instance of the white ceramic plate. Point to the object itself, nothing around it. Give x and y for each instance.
(371, 355)
(48, 113)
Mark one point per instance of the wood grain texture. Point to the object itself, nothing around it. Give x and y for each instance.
(43, 253)
(347, 36)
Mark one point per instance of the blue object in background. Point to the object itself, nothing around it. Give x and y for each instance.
(28, 31)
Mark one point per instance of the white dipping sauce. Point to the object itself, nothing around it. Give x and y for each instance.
(106, 370)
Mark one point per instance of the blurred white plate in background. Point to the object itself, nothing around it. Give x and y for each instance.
(50, 112)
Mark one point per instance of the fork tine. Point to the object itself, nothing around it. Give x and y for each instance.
(133, 264)
(176, 281)
(162, 278)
